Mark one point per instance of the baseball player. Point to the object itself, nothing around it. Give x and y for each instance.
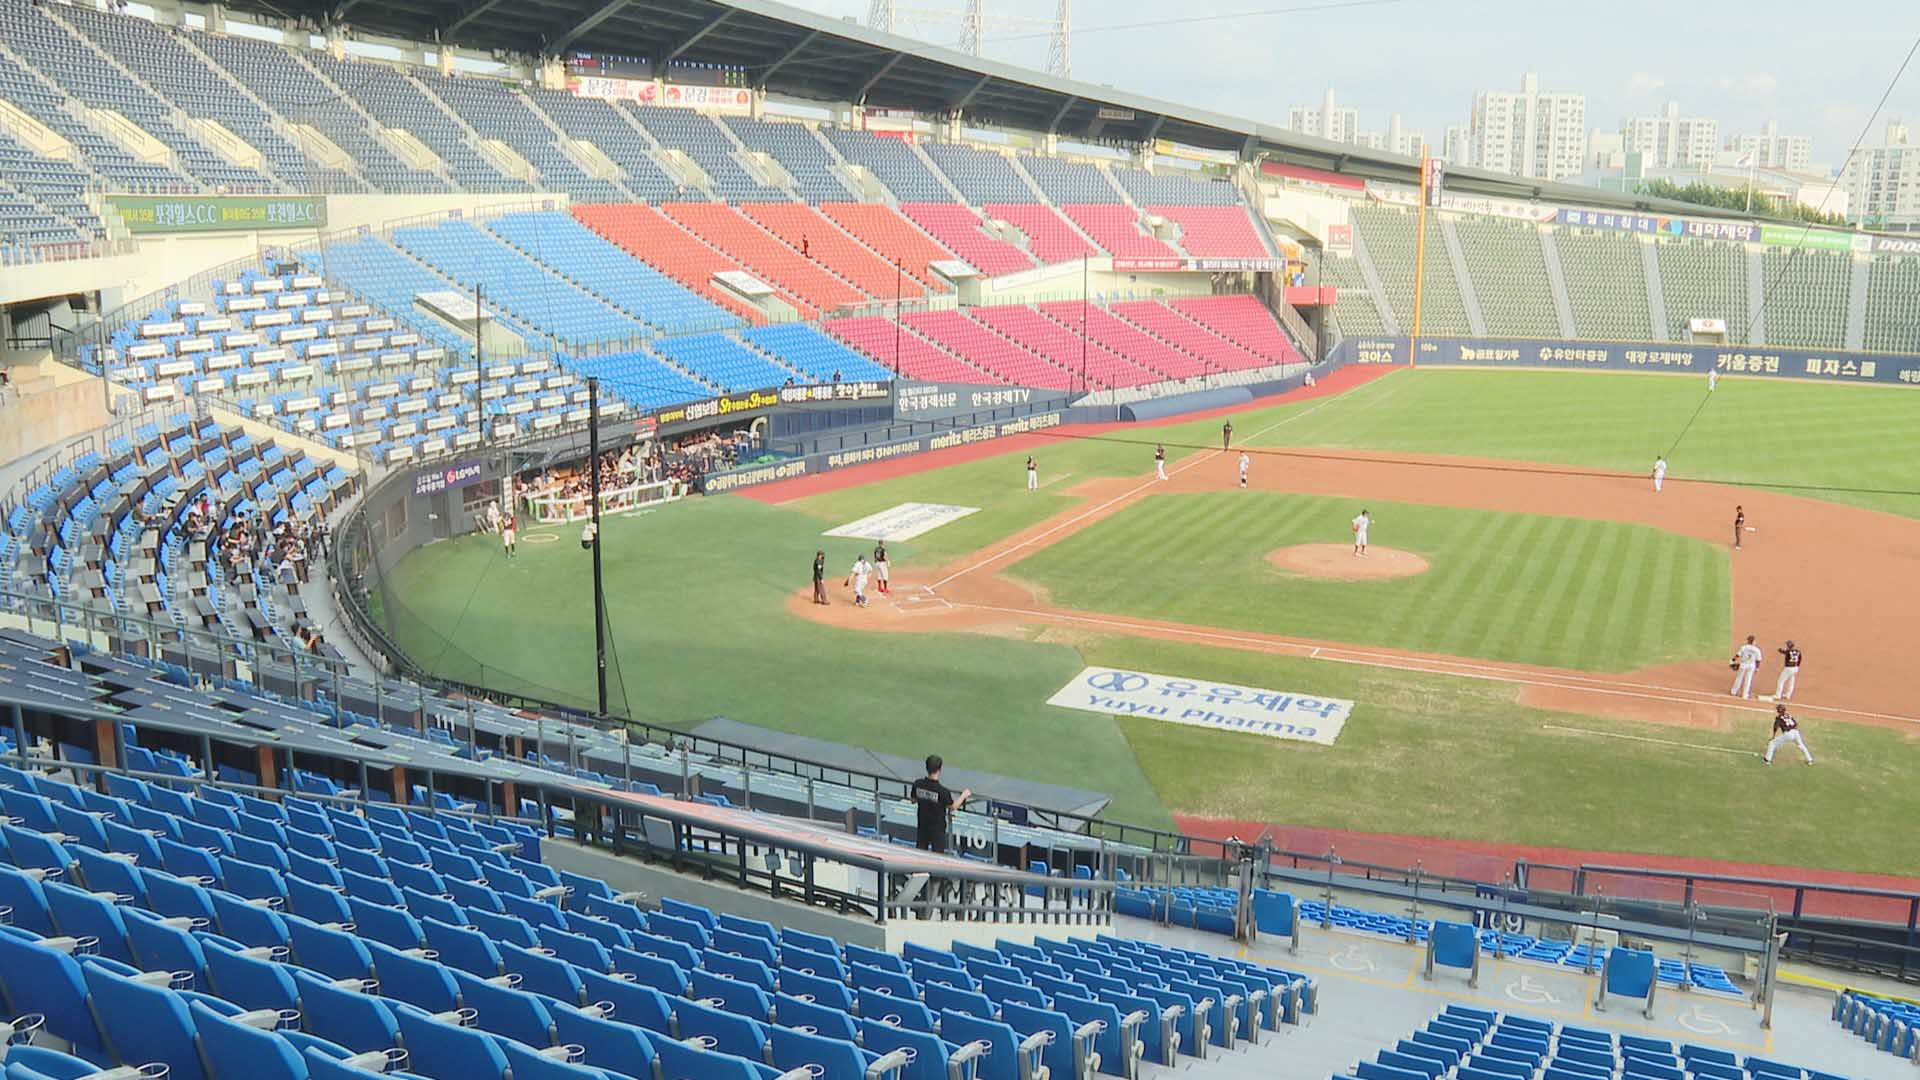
(508, 527)
(1713, 379)
(882, 570)
(1739, 525)
(1789, 671)
(1360, 525)
(1659, 472)
(1160, 462)
(1033, 474)
(1245, 462)
(1785, 730)
(1226, 435)
(857, 577)
(1745, 663)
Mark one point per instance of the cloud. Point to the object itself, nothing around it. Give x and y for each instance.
(1643, 84)
(1754, 86)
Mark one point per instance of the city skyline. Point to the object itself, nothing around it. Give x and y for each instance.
(1819, 78)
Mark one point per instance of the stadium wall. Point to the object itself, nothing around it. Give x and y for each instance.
(1834, 366)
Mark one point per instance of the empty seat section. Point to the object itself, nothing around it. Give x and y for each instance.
(983, 176)
(515, 284)
(814, 354)
(987, 350)
(1173, 184)
(892, 162)
(710, 147)
(614, 134)
(963, 233)
(500, 110)
(1124, 339)
(1094, 363)
(1215, 232)
(385, 93)
(1119, 230)
(798, 150)
(1243, 320)
(765, 256)
(1050, 237)
(1070, 181)
(803, 229)
(651, 237)
(590, 263)
(1168, 325)
(898, 348)
(893, 237)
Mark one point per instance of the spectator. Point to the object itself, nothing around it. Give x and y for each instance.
(935, 802)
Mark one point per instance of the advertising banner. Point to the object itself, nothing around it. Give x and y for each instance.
(668, 95)
(1799, 236)
(1664, 226)
(457, 475)
(836, 392)
(1896, 245)
(1340, 239)
(1250, 710)
(1826, 366)
(1157, 265)
(724, 405)
(937, 401)
(162, 214)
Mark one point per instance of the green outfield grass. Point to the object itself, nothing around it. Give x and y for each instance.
(1853, 444)
(701, 629)
(1520, 587)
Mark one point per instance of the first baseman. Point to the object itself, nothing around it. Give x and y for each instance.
(1785, 730)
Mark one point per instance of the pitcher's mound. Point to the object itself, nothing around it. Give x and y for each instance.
(1339, 563)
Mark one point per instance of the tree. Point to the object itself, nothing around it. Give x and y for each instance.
(1702, 193)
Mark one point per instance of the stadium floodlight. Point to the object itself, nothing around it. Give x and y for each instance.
(886, 16)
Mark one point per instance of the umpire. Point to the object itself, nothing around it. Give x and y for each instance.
(819, 577)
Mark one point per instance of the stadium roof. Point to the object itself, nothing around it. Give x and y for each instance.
(789, 51)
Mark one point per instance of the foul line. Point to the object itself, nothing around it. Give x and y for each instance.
(1673, 695)
(1122, 497)
(1646, 739)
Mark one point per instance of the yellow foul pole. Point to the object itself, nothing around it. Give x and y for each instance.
(1419, 262)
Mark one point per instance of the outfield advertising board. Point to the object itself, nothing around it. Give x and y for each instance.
(1249, 710)
(1822, 365)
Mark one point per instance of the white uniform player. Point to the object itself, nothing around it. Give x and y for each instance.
(1785, 730)
(1789, 671)
(1160, 462)
(1746, 662)
(1713, 379)
(1033, 474)
(1245, 462)
(1360, 525)
(858, 577)
(1659, 472)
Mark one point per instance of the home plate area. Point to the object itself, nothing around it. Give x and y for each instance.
(919, 600)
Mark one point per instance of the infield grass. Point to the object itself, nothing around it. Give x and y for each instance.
(1555, 591)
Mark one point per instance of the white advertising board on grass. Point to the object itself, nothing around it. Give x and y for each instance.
(903, 522)
(1250, 710)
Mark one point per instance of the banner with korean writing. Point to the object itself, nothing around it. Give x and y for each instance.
(1675, 357)
(721, 99)
(1800, 236)
(1249, 710)
(1656, 224)
(151, 214)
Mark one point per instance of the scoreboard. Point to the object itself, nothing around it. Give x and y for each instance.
(609, 65)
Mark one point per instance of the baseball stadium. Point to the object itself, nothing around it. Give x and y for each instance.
(686, 539)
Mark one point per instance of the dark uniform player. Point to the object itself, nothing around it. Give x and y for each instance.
(934, 801)
(1789, 671)
(1785, 730)
(882, 569)
(1739, 524)
(1226, 435)
(819, 577)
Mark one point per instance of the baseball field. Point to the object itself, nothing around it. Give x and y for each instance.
(1536, 648)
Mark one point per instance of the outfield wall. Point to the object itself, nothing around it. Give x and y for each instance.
(1822, 365)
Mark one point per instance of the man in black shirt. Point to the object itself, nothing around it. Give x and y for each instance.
(819, 577)
(1226, 435)
(934, 801)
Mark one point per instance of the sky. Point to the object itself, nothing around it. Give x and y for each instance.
(1819, 69)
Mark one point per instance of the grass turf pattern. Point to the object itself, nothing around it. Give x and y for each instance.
(1554, 591)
